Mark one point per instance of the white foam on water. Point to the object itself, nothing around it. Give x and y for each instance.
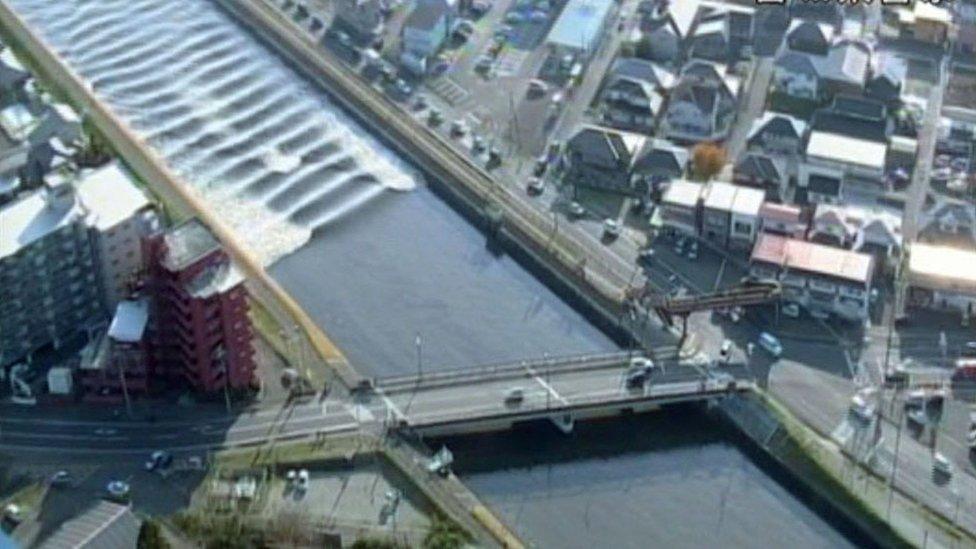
(273, 156)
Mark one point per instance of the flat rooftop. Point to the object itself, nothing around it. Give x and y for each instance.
(580, 24)
(947, 267)
(110, 195)
(810, 257)
(681, 192)
(187, 243)
(850, 150)
(30, 219)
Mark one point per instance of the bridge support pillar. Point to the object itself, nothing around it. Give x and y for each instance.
(563, 422)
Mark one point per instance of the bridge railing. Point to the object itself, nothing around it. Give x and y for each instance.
(706, 387)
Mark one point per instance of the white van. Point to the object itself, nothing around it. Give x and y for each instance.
(770, 342)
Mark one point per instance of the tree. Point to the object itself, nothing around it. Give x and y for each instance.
(151, 536)
(95, 148)
(707, 160)
(444, 534)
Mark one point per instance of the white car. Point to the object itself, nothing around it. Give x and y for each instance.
(725, 352)
(771, 343)
(576, 209)
(862, 408)
(611, 228)
(941, 464)
(301, 482)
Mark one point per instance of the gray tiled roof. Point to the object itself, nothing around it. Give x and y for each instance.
(107, 525)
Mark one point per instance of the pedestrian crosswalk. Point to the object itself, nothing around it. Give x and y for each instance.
(451, 92)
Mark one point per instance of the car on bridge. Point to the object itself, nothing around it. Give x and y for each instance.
(514, 396)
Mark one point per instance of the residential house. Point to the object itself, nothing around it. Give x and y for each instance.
(810, 37)
(716, 212)
(102, 524)
(761, 171)
(941, 277)
(425, 30)
(948, 223)
(784, 219)
(730, 214)
(925, 22)
(58, 121)
(846, 150)
(844, 69)
(777, 134)
(831, 13)
(13, 77)
(821, 278)
(679, 208)
(888, 73)
(602, 159)
(746, 220)
(661, 160)
(702, 104)
(632, 94)
(875, 230)
(666, 28)
(361, 18)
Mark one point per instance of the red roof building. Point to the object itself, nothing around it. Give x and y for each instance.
(821, 278)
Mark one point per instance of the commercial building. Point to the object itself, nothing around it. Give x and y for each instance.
(49, 291)
(117, 364)
(679, 208)
(730, 214)
(200, 330)
(821, 278)
(941, 277)
(580, 27)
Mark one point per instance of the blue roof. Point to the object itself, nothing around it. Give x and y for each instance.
(580, 24)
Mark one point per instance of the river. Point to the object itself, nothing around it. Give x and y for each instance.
(390, 272)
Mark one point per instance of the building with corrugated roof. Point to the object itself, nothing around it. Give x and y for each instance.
(821, 278)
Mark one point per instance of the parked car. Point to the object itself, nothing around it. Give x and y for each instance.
(861, 407)
(941, 464)
(484, 64)
(514, 18)
(791, 310)
(725, 352)
(771, 343)
(611, 228)
(480, 7)
(458, 128)
(402, 87)
(537, 87)
(61, 478)
(693, 251)
(301, 481)
(645, 256)
(540, 166)
(535, 186)
(576, 210)
(538, 16)
(159, 460)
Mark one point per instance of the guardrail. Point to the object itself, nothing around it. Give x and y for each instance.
(681, 391)
(508, 370)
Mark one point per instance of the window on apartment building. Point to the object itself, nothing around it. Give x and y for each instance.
(742, 228)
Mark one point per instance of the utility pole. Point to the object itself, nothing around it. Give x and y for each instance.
(125, 392)
(894, 467)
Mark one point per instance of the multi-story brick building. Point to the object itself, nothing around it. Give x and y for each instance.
(200, 330)
(117, 364)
